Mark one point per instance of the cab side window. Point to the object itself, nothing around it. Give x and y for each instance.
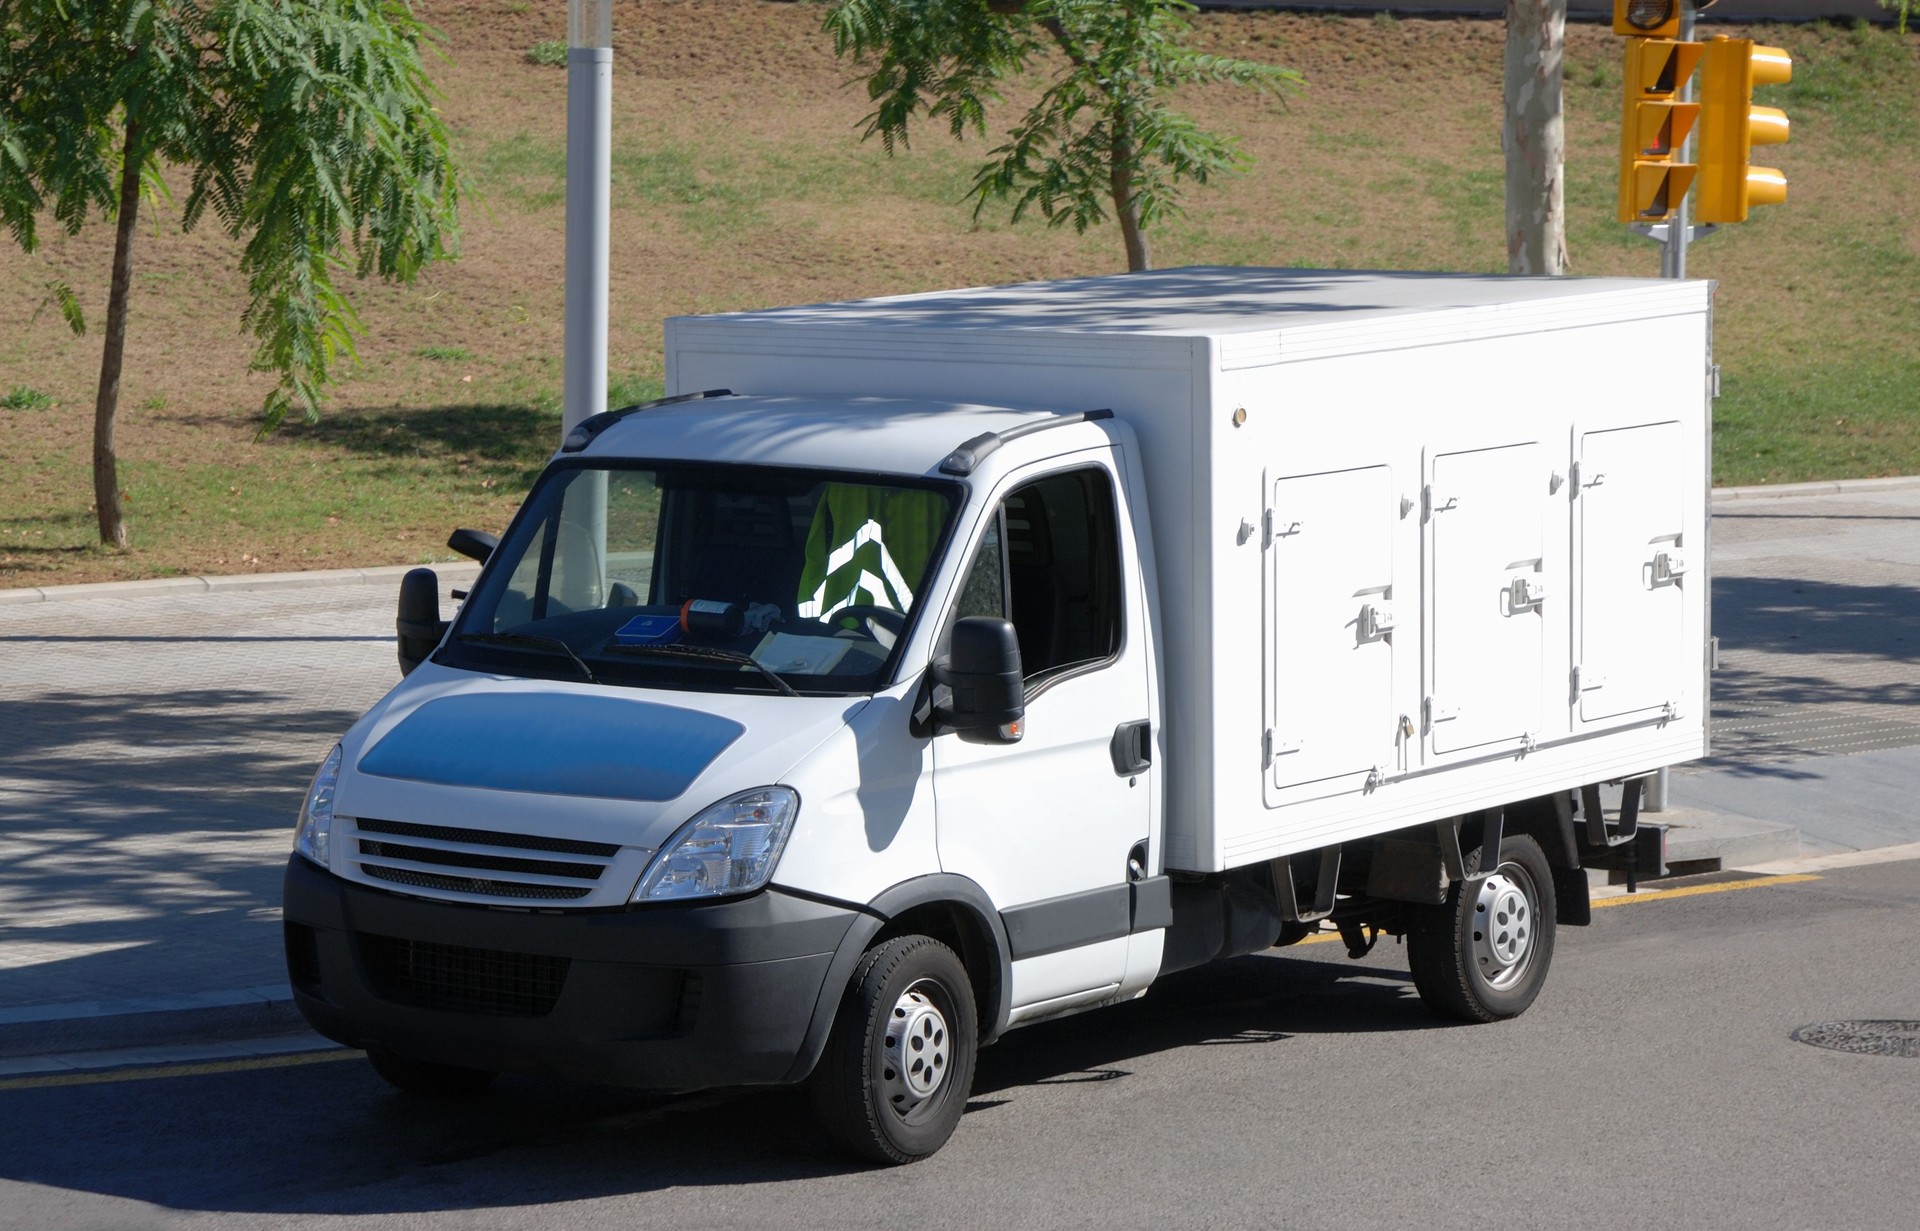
(1050, 562)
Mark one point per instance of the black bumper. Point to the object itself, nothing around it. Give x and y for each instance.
(669, 998)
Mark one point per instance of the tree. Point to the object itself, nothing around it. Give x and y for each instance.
(1534, 136)
(307, 126)
(1101, 136)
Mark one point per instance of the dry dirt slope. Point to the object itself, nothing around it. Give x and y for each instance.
(740, 181)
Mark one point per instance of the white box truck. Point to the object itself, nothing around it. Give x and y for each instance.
(933, 665)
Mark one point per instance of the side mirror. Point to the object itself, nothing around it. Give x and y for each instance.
(419, 624)
(474, 544)
(983, 673)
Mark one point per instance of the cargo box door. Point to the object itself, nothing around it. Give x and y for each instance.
(1631, 647)
(1330, 700)
(1486, 511)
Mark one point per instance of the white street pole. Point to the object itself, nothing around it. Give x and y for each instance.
(1673, 253)
(589, 201)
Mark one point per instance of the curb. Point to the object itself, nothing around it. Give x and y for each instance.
(384, 575)
(94, 1025)
(1826, 487)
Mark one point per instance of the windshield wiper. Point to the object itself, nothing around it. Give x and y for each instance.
(707, 652)
(531, 641)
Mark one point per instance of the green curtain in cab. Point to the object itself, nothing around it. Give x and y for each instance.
(868, 546)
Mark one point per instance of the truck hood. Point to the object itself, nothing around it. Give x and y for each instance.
(569, 761)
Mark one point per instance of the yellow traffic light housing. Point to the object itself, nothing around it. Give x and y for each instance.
(1731, 125)
(1646, 18)
(1654, 124)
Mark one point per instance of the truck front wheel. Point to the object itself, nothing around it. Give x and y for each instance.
(1483, 954)
(898, 1068)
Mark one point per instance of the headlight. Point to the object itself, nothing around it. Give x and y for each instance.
(315, 829)
(731, 847)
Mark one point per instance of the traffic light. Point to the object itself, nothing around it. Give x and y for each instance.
(1654, 123)
(1731, 125)
(1646, 18)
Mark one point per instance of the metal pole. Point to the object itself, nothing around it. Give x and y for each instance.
(589, 201)
(1673, 253)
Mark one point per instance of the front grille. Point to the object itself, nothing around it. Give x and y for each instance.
(476, 885)
(456, 979)
(481, 862)
(494, 863)
(488, 837)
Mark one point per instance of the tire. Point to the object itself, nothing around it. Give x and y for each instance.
(1483, 955)
(426, 1077)
(910, 997)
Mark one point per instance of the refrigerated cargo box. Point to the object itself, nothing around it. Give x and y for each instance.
(1424, 544)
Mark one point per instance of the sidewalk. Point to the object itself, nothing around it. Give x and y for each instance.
(154, 742)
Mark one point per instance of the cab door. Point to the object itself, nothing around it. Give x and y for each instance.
(1046, 824)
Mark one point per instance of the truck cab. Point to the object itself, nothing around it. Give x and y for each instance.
(705, 732)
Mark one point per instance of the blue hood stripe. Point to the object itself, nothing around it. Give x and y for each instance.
(549, 744)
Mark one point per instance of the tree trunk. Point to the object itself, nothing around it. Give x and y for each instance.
(1534, 137)
(1125, 208)
(106, 470)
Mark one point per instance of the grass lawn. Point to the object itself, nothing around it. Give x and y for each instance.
(740, 181)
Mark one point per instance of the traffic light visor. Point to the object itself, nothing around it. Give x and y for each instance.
(1658, 18)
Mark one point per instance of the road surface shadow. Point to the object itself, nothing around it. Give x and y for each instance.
(331, 1138)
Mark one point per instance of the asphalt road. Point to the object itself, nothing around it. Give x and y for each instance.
(1653, 1084)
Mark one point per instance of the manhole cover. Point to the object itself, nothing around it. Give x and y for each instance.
(1864, 1038)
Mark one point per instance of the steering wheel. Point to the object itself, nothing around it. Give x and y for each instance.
(886, 618)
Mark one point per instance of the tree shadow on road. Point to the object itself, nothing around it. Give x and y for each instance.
(144, 821)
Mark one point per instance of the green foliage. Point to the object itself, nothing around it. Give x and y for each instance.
(60, 296)
(307, 127)
(25, 397)
(631, 389)
(548, 53)
(1101, 135)
(444, 353)
(1904, 7)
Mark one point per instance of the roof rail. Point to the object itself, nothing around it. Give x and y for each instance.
(961, 461)
(584, 431)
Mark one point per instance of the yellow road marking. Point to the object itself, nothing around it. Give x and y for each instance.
(42, 1081)
(1688, 891)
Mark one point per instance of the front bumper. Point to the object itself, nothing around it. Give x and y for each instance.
(666, 997)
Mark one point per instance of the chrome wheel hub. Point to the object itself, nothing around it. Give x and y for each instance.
(1503, 926)
(916, 1051)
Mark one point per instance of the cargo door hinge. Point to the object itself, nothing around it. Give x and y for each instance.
(1266, 529)
(1713, 381)
(1573, 481)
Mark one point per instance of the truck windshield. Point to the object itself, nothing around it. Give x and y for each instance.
(750, 579)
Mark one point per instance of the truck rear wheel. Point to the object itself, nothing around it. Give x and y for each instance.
(1483, 954)
(898, 1068)
(426, 1077)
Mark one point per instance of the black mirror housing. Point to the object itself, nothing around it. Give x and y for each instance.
(983, 673)
(474, 544)
(419, 626)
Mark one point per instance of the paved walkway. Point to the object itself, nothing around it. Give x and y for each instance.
(154, 745)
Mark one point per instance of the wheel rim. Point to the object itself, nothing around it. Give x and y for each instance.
(915, 1050)
(1503, 926)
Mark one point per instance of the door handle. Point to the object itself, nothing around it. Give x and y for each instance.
(1132, 747)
